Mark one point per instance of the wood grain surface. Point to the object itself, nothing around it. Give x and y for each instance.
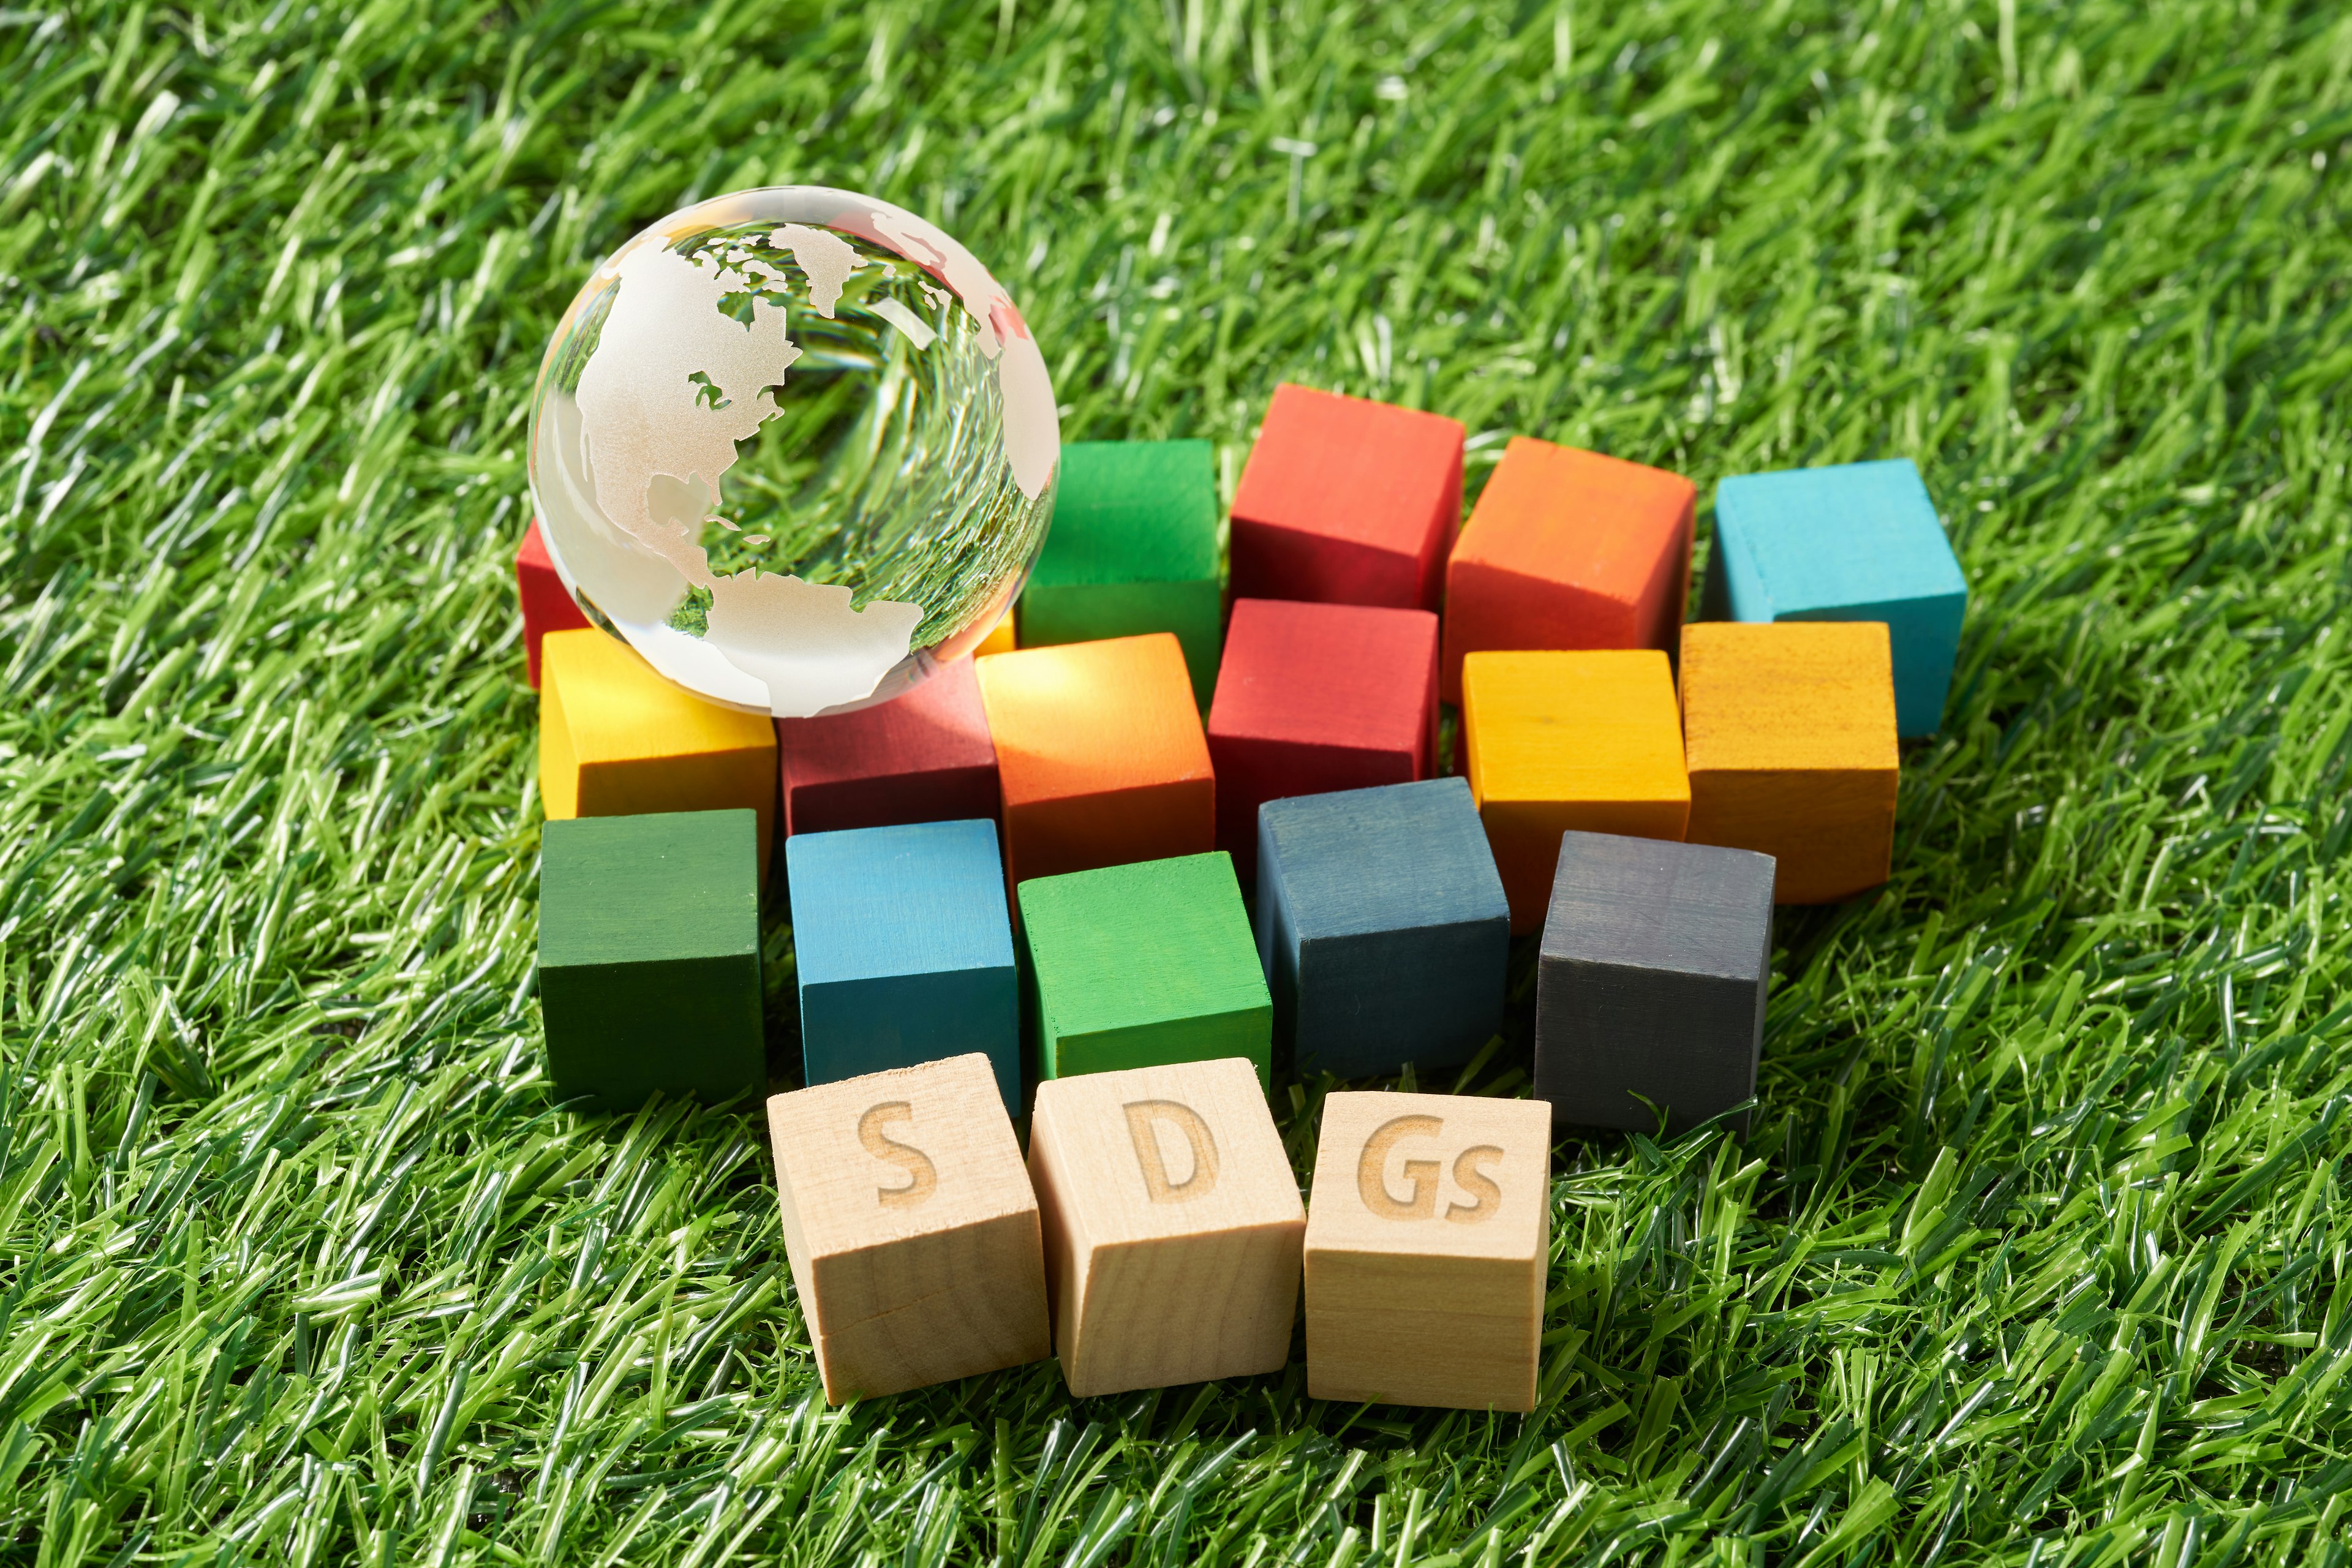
(925, 756)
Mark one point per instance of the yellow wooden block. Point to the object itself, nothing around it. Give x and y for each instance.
(1001, 640)
(1588, 740)
(615, 739)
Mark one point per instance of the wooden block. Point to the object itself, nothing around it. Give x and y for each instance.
(615, 739)
(1651, 982)
(1001, 640)
(1133, 549)
(1143, 965)
(904, 949)
(1099, 754)
(1314, 697)
(1557, 741)
(650, 956)
(1381, 927)
(1173, 1225)
(1569, 549)
(910, 1228)
(1427, 1241)
(546, 606)
(1347, 501)
(922, 757)
(1790, 731)
(1857, 541)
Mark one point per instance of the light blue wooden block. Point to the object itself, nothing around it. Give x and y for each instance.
(905, 950)
(1858, 542)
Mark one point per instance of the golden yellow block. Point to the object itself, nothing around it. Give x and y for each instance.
(1791, 728)
(615, 739)
(1588, 740)
(1001, 640)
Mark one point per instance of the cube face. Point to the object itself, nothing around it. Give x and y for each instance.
(1569, 549)
(1856, 542)
(1317, 697)
(615, 739)
(1347, 501)
(649, 957)
(1426, 1248)
(923, 757)
(1173, 1225)
(1144, 965)
(547, 605)
(904, 949)
(1651, 980)
(1381, 926)
(911, 1226)
(1562, 741)
(1099, 755)
(1792, 753)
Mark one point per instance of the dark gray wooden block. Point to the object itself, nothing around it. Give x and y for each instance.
(1656, 961)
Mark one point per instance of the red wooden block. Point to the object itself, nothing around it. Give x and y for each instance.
(1347, 501)
(922, 757)
(546, 608)
(1316, 697)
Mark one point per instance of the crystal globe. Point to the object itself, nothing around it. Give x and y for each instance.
(796, 446)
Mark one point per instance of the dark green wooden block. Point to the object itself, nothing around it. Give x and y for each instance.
(1133, 549)
(650, 956)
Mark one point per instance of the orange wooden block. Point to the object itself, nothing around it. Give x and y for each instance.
(1789, 728)
(617, 739)
(1569, 549)
(1559, 740)
(1001, 640)
(1099, 754)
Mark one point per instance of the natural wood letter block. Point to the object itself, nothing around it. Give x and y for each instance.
(546, 606)
(922, 757)
(1173, 1225)
(1791, 735)
(1426, 1246)
(1569, 549)
(1559, 741)
(911, 1226)
(1651, 984)
(617, 739)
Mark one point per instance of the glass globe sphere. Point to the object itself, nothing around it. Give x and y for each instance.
(796, 446)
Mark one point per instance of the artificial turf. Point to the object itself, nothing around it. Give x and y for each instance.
(2036, 1252)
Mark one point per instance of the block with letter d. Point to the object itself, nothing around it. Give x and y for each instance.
(1173, 1224)
(1426, 1248)
(912, 1227)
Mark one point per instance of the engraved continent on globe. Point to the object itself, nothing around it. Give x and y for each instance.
(796, 446)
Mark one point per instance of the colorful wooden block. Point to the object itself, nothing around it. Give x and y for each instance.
(922, 757)
(649, 957)
(1427, 1240)
(1381, 926)
(1314, 697)
(1569, 549)
(615, 739)
(1002, 640)
(547, 606)
(1651, 982)
(1142, 965)
(1856, 542)
(910, 1228)
(1559, 741)
(1347, 501)
(904, 949)
(1133, 549)
(1173, 1225)
(1789, 731)
(1099, 754)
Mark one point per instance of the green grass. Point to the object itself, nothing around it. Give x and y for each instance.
(2037, 1253)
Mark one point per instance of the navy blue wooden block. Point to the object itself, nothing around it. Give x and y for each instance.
(905, 950)
(1651, 982)
(1382, 926)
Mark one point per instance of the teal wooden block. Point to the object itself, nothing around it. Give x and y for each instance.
(650, 956)
(1856, 542)
(1143, 965)
(1133, 549)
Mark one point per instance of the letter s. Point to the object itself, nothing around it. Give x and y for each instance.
(1477, 1184)
(882, 1146)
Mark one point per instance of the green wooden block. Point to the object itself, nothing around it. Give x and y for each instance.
(650, 956)
(1142, 965)
(1133, 549)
